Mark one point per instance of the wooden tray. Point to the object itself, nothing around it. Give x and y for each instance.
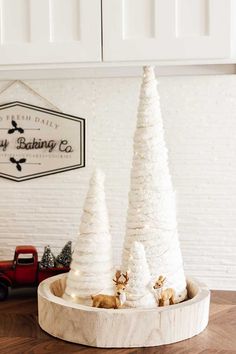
(124, 327)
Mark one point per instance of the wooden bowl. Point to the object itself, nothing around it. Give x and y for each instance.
(123, 327)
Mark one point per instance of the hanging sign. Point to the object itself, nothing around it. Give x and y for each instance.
(36, 141)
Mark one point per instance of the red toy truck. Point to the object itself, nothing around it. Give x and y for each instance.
(24, 270)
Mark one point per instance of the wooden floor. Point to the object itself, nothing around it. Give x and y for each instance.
(20, 333)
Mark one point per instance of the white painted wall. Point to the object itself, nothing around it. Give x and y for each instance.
(200, 120)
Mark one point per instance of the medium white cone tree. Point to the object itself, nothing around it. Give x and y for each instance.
(91, 267)
(138, 293)
(151, 215)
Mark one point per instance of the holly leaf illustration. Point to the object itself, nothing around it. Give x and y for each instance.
(18, 167)
(11, 131)
(14, 124)
(22, 161)
(12, 160)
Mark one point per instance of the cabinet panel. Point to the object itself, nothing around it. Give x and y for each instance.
(50, 31)
(166, 29)
(139, 18)
(65, 20)
(192, 18)
(15, 22)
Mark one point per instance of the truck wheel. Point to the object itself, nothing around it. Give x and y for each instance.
(3, 292)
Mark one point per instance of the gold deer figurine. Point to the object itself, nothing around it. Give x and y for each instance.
(116, 301)
(164, 296)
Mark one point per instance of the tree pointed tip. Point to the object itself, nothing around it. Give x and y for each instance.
(98, 176)
(148, 67)
(149, 70)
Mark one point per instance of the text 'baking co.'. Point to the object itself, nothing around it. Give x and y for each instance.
(36, 142)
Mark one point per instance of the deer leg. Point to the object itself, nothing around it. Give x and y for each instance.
(95, 303)
(172, 300)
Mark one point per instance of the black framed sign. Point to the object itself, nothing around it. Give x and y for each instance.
(36, 142)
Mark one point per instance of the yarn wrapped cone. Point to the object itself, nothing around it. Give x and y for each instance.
(151, 217)
(91, 267)
(138, 292)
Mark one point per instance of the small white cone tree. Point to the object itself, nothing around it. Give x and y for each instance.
(151, 217)
(91, 267)
(138, 293)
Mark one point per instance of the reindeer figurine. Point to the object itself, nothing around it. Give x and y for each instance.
(164, 296)
(116, 301)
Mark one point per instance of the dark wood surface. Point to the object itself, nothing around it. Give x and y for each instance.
(20, 333)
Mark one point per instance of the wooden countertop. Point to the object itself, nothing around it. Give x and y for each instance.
(20, 333)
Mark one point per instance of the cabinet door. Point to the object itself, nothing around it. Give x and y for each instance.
(165, 29)
(50, 31)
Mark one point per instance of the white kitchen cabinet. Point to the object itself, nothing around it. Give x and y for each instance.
(51, 35)
(50, 31)
(151, 30)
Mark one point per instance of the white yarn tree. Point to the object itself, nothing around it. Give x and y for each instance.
(138, 292)
(151, 217)
(91, 267)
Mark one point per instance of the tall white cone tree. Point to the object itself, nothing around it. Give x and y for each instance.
(91, 267)
(151, 217)
(138, 291)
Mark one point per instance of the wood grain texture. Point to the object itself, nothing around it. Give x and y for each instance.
(123, 328)
(219, 337)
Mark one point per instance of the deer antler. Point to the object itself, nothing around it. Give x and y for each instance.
(126, 278)
(161, 278)
(118, 275)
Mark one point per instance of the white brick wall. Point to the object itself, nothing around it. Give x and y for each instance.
(200, 120)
